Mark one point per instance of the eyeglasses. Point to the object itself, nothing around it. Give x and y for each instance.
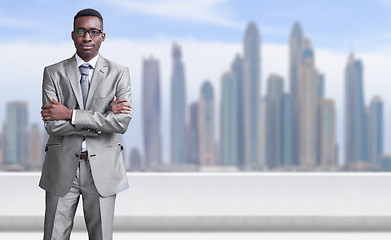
(93, 32)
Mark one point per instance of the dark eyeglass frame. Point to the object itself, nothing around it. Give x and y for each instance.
(80, 32)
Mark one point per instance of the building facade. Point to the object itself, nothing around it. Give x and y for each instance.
(151, 113)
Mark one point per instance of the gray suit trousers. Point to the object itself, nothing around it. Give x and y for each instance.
(98, 211)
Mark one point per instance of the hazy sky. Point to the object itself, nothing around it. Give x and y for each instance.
(37, 33)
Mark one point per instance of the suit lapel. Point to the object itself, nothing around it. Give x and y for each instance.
(99, 74)
(71, 70)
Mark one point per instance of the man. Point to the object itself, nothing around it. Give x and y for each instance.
(86, 103)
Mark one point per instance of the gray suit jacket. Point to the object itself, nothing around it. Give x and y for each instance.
(100, 128)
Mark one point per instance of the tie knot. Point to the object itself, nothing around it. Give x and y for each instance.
(85, 69)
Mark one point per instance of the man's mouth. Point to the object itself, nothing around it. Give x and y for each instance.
(86, 47)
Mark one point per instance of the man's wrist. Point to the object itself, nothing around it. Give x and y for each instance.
(70, 111)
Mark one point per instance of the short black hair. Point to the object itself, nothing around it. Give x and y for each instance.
(88, 12)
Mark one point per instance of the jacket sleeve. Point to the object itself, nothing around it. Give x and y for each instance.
(58, 127)
(108, 122)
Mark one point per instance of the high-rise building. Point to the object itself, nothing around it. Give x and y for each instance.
(251, 95)
(274, 97)
(375, 132)
(385, 161)
(178, 108)
(193, 139)
(355, 117)
(308, 103)
(35, 148)
(206, 125)
(295, 61)
(136, 163)
(1, 148)
(237, 69)
(151, 113)
(287, 126)
(228, 118)
(327, 150)
(16, 135)
(320, 97)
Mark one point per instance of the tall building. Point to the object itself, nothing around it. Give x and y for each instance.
(320, 97)
(178, 108)
(16, 135)
(35, 148)
(287, 127)
(206, 126)
(1, 148)
(151, 113)
(237, 69)
(327, 150)
(375, 132)
(308, 103)
(274, 97)
(295, 60)
(385, 160)
(251, 95)
(355, 117)
(192, 136)
(228, 118)
(136, 162)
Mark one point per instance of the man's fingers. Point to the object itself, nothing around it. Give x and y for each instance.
(46, 106)
(114, 99)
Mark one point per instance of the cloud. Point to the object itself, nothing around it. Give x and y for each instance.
(203, 11)
(19, 23)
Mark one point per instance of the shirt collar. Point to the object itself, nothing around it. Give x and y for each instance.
(92, 62)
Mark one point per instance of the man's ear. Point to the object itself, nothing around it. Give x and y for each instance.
(103, 36)
(72, 36)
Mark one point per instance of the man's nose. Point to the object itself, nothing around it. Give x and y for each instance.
(87, 37)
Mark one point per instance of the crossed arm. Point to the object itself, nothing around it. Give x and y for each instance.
(58, 111)
(60, 116)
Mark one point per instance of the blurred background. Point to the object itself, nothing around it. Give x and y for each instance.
(217, 85)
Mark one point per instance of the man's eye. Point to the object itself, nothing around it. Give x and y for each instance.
(94, 32)
(80, 31)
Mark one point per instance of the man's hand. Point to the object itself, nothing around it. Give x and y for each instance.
(55, 111)
(119, 106)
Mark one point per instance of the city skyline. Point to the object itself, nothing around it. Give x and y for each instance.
(212, 50)
(314, 129)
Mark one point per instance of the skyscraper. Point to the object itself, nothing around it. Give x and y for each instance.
(320, 97)
(193, 138)
(1, 148)
(355, 118)
(151, 113)
(274, 97)
(308, 103)
(136, 163)
(251, 96)
(287, 126)
(178, 105)
(375, 132)
(35, 148)
(228, 118)
(16, 135)
(237, 70)
(295, 56)
(206, 125)
(327, 150)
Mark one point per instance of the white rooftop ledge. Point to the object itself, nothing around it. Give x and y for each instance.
(223, 201)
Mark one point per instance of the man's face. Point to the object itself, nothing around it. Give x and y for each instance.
(87, 46)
